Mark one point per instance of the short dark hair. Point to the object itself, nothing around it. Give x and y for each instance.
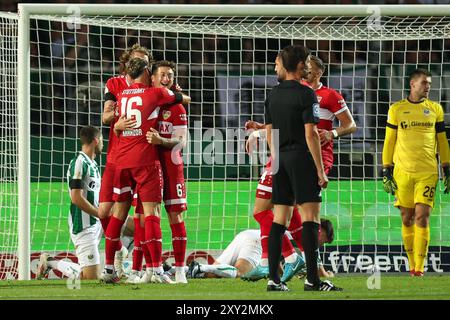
(327, 226)
(419, 72)
(135, 67)
(163, 63)
(318, 62)
(292, 56)
(88, 134)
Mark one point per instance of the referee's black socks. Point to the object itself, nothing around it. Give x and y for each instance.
(310, 241)
(275, 237)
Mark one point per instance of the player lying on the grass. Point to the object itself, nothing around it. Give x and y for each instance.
(332, 105)
(113, 87)
(243, 255)
(138, 169)
(83, 179)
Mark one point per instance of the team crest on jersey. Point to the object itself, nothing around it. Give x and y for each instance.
(319, 98)
(166, 115)
(426, 111)
(183, 117)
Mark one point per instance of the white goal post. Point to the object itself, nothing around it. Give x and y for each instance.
(305, 22)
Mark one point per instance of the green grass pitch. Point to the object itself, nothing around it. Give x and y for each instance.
(361, 212)
(432, 287)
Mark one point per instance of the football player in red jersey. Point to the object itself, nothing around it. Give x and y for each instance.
(332, 105)
(137, 164)
(113, 87)
(171, 138)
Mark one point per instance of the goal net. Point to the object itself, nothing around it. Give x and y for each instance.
(226, 64)
(8, 146)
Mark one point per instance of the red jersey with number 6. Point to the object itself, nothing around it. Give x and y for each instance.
(170, 120)
(141, 103)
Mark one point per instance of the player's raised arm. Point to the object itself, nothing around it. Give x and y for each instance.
(186, 99)
(108, 111)
(347, 126)
(109, 106)
(178, 138)
(123, 123)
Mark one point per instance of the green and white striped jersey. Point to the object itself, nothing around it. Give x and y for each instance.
(83, 168)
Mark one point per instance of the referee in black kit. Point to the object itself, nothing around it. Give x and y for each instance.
(293, 110)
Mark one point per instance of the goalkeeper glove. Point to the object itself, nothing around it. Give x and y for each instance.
(446, 179)
(389, 183)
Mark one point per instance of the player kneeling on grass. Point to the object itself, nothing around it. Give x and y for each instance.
(83, 178)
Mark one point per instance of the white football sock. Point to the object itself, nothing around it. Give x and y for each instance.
(69, 269)
(180, 269)
(291, 258)
(126, 241)
(264, 262)
(221, 270)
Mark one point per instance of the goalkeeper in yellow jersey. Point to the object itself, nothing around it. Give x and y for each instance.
(415, 131)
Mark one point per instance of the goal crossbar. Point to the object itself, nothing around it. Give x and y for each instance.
(28, 11)
(236, 10)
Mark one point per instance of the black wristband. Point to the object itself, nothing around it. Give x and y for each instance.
(110, 96)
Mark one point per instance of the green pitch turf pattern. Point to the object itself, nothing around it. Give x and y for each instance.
(360, 211)
(355, 287)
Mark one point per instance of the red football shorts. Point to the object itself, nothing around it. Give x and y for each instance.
(174, 188)
(264, 189)
(174, 191)
(107, 185)
(146, 181)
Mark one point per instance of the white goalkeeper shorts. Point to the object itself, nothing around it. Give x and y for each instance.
(246, 245)
(86, 245)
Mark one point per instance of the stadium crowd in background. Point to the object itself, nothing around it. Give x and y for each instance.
(88, 60)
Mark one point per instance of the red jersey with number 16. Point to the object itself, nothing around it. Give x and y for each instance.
(142, 104)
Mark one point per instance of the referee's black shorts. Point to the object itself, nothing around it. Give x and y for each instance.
(296, 180)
